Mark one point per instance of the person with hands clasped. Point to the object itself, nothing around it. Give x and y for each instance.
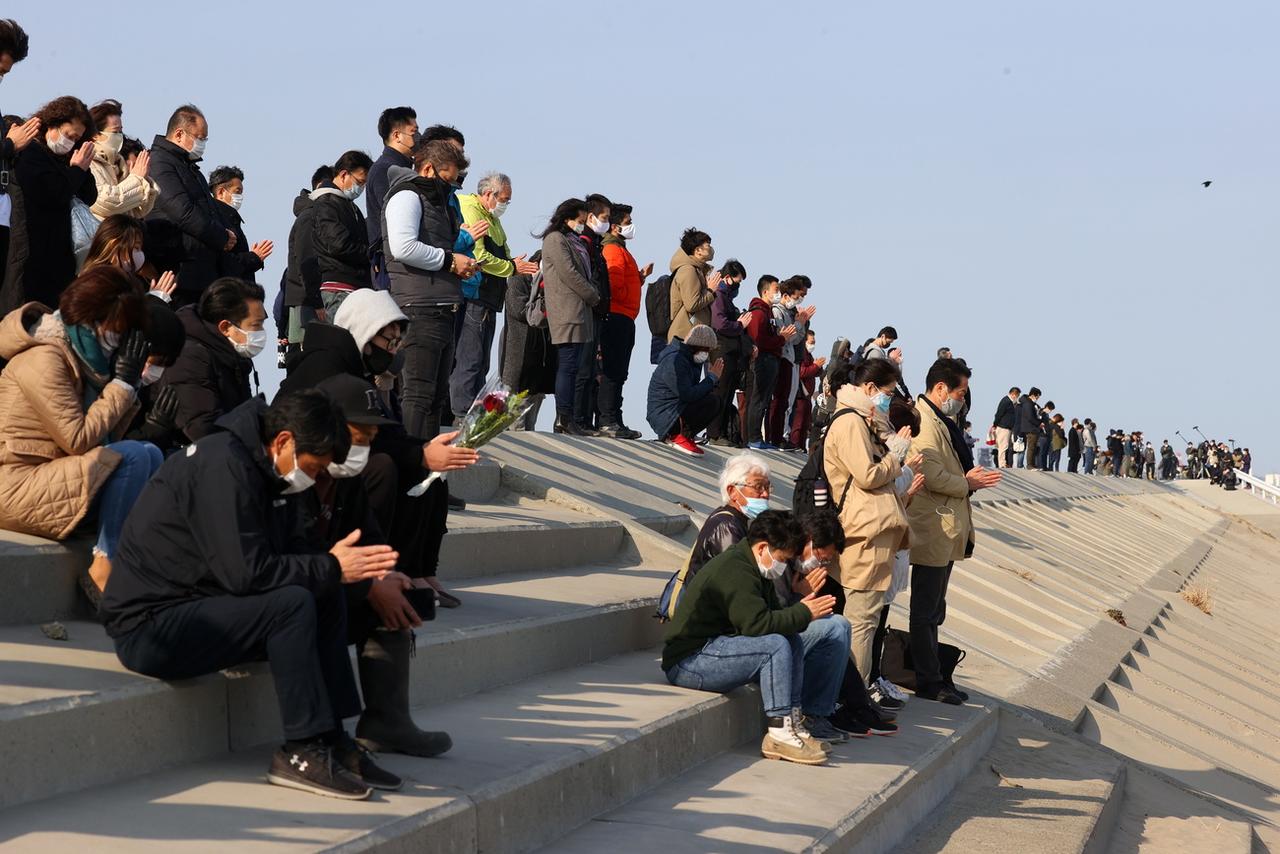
(67, 397)
(941, 525)
(215, 569)
(730, 629)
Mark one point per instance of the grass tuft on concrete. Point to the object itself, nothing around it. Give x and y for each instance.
(1200, 596)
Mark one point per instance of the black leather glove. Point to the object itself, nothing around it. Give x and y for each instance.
(164, 409)
(131, 358)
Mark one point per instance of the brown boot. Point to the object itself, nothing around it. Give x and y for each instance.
(386, 726)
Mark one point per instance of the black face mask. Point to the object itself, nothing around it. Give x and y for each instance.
(378, 361)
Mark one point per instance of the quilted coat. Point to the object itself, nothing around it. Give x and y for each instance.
(52, 459)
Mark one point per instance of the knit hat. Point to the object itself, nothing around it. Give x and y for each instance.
(365, 312)
(702, 336)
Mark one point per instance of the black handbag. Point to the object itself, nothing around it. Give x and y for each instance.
(896, 664)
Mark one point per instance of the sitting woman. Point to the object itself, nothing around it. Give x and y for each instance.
(118, 243)
(68, 392)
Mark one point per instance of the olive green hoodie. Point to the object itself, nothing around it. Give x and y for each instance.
(729, 596)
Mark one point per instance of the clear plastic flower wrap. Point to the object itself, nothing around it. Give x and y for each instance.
(495, 409)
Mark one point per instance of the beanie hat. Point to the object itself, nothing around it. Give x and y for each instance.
(702, 336)
(365, 312)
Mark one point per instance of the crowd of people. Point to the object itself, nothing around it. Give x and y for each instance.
(130, 406)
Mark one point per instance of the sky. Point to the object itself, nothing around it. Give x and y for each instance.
(1018, 181)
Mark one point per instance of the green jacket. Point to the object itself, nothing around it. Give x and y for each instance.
(728, 596)
(474, 211)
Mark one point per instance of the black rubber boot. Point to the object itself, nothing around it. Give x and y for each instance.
(386, 726)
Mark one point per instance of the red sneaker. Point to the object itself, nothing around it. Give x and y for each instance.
(685, 445)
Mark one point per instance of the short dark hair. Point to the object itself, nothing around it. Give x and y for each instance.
(131, 146)
(438, 153)
(186, 117)
(353, 161)
(893, 350)
(598, 204)
(618, 212)
(164, 331)
(889, 332)
(841, 375)
(224, 175)
(228, 299)
(882, 372)
(393, 119)
(692, 239)
(903, 414)
(765, 281)
(802, 281)
(68, 108)
(947, 371)
(795, 284)
(1034, 392)
(779, 529)
(823, 528)
(105, 296)
(318, 177)
(444, 133)
(1049, 405)
(733, 267)
(13, 39)
(1015, 390)
(942, 350)
(104, 110)
(315, 420)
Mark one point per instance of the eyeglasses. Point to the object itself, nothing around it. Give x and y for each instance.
(762, 487)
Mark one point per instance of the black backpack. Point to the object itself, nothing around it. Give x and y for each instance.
(657, 307)
(860, 355)
(812, 491)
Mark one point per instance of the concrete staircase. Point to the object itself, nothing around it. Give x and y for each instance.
(1081, 735)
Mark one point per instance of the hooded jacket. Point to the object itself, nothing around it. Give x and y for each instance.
(690, 299)
(209, 377)
(569, 288)
(438, 225)
(676, 382)
(624, 277)
(184, 228)
(941, 526)
(339, 239)
(760, 328)
(52, 459)
(212, 522)
(860, 467)
(302, 278)
(724, 314)
(119, 190)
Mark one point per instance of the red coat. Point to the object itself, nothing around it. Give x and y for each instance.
(624, 278)
(760, 328)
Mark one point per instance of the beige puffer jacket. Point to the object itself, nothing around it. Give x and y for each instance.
(52, 462)
(119, 190)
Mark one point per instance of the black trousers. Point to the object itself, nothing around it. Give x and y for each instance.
(731, 351)
(877, 644)
(415, 527)
(617, 340)
(428, 361)
(695, 417)
(764, 373)
(928, 610)
(586, 383)
(303, 635)
(1073, 463)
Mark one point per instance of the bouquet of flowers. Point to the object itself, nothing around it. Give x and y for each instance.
(494, 410)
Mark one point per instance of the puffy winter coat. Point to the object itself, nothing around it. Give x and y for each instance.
(690, 299)
(52, 459)
(210, 377)
(119, 190)
(184, 232)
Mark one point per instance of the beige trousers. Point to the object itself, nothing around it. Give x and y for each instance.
(862, 610)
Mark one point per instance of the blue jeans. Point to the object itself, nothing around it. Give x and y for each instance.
(476, 326)
(1055, 460)
(781, 664)
(567, 356)
(138, 461)
(1089, 454)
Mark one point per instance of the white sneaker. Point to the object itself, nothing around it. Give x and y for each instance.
(888, 689)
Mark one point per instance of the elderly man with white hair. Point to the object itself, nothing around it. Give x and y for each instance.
(479, 318)
(744, 488)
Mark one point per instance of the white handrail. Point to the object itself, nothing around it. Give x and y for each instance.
(1260, 488)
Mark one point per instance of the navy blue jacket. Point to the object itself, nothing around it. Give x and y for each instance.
(375, 192)
(1028, 416)
(674, 385)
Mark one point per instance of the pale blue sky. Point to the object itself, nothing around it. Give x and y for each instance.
(1018, 181)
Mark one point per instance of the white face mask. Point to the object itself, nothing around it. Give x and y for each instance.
(297, 479)
(61, 144)
(775, 299)
(701, 357)
(353, 192)
(811, 564)
(237, 199)
(500, 208)
(111, 141)
(628, 231)
(599, 226)
(137, 259)
(109, 341)
(357, 459)
(255, 342)
(197, 150)
(578, 228)
(774, 569)
(152, 374)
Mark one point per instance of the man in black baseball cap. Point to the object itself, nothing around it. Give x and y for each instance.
(381, 614)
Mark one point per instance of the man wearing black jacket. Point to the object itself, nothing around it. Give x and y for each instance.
(298, 302)
(339, 233)
(214, 570)
(586, 388)
(184, 232)
(1005, 422)
(245, 260)
(1029, 425)
(398, 128)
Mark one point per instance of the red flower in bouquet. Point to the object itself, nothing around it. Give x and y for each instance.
(495, 403)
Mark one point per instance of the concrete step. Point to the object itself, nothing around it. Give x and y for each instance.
(72, 703)
(38, 578)
(1203, 669)
(1236, 662)
(1034, 790)
(1188, 765)
(1157, 817)
(1195, 730)
(872, 792)
(529, 762)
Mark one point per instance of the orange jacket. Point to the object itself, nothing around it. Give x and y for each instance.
(624, 278)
